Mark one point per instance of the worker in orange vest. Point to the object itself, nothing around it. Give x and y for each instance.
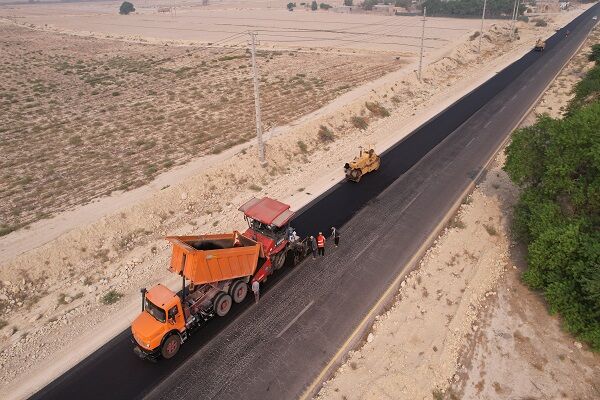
(321, 244)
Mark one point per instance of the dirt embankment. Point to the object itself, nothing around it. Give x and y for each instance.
(62, 294)
(463, 326)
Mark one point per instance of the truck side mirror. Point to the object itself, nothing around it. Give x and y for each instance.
(143, 292)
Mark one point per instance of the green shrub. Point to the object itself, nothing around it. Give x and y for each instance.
(6, 229)
(325, 134)
(126, 8)
(587, 90)
(557, 164)
(75, 140)
(111, 297)
(303, 147)
(377, 109)
(470, 7)
(369, 4)
(360, 122)
(595, 54)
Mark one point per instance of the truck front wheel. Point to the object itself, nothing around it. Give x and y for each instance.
(278, 260)
(222, 304)
(171, 346)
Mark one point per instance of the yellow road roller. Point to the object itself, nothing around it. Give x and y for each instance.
(366, 162)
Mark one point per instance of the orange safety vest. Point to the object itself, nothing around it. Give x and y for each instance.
(320, 241)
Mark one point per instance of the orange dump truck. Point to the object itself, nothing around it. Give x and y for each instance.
(218, 268)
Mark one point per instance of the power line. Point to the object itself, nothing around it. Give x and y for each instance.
(481, 31)
(308, 39)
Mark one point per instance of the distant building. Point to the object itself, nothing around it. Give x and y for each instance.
(547, 6)
(564, 5)
(343, 9)
(383, 9)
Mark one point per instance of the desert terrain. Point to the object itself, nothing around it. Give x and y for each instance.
(485, 335)
(83, 117)
(277, 28)
(67, 290)
(93, 94)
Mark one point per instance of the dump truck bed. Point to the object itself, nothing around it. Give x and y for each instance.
(214, 258)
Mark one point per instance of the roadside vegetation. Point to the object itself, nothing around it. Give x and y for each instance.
(557, 164)
(470, 7)
(126, 8)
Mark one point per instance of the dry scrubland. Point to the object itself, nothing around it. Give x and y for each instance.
(82, 117)
(276, 27)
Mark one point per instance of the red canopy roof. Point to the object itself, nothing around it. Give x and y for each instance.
(267, 211)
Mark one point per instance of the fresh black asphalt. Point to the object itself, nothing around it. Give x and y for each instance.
(256, 352)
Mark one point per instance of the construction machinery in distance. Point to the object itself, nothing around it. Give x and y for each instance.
(219, 268)
(540, 45)
(366, 162)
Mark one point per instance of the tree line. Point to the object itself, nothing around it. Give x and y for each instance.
(467, 8)
(556, 162)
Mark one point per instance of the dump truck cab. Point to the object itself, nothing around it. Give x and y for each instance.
(162, 316)
(268, 224)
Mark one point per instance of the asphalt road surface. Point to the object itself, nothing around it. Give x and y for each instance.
(275, 349)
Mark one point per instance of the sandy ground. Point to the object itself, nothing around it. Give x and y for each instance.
(81, 118)
(463, 326)
(124, 251)
(276, 27)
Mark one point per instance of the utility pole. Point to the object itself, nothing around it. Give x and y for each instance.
(481, 30)
(512, 21)
(261, 145)
(422, 41)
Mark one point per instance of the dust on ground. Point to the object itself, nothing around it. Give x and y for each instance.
(67, 290)
(463, 326)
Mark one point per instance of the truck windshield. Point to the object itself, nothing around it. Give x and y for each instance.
(157, 312)
(271, 231)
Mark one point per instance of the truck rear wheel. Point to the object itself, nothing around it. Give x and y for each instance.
(222, 304)
(239, 290)
(170, 347)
